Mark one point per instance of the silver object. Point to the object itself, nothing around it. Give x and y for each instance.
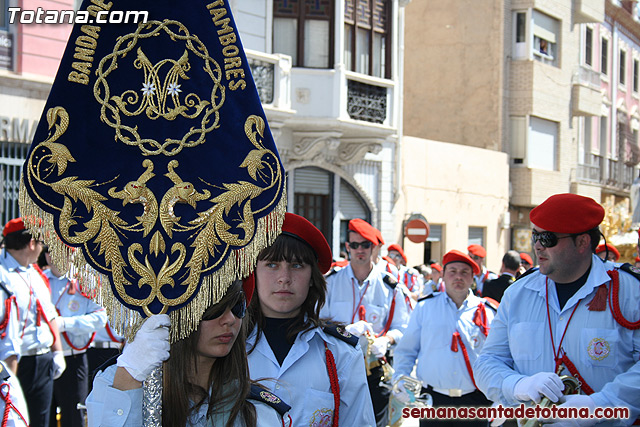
(152, 399)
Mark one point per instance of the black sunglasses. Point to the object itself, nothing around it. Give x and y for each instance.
(363, 245)
(547, 239)
(239, 309)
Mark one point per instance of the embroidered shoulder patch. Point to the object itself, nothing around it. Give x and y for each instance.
(628, 268)
(321, 418)
(598, 349)
(339, 332)
(260, 394)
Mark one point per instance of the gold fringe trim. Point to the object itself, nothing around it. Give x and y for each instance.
(239, 264)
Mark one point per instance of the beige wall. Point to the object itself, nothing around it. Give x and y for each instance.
(459, 187)
(454, 71)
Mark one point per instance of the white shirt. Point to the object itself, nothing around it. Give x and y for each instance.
(303, 380)
(605, 353)
(12, 386)
(28, 287)
(79, 316)
(428, 339)
(345, 295)
(108, 406)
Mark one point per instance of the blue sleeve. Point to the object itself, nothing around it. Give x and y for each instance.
(406, 353)
(110, 407)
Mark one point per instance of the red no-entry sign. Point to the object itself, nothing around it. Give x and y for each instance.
(417, 230)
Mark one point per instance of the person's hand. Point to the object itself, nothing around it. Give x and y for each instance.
(149, 348)
(575, 401)
(59, 364)
(359, 328)
(400, 393)
(538, 385)
(379, 347)
(495, 422)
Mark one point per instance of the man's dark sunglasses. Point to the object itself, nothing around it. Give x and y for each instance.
(238, 310)
(547, 239)
(363, 245)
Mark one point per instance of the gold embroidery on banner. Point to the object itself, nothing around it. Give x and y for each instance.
(101, 233)
(161, 95)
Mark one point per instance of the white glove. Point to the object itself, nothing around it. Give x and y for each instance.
(537, 385)
(495, 422)
(400, 393)
(359, 328)
(149, 348)
(59, 364)
(60, 323)
(379, 346)
(575, 401)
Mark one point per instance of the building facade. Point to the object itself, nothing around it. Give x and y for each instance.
(551, 83)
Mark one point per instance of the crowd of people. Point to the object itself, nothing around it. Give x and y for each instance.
(306, 340)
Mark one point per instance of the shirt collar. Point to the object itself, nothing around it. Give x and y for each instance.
(10, 262)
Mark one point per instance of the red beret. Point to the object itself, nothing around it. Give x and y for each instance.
(12, 226)
(477, 250)
(299, 227)
(436, 266)
(457, 256)
(398, 249)
(526, 258)
(567, 213)
(364, 229)
(612, 250)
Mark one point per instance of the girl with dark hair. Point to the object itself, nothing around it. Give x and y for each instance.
(317, 367)
(205, 379)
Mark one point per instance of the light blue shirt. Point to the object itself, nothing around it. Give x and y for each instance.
(80, 316)
(605, 353)
(18, 414)
(344, 294)
(482, 278)
(108, 406)
(28, 287)
(303, 380)
(428, 339)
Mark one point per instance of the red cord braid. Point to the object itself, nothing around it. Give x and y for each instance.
(614, 302)
(42, 315)
(574, 371)
(68, 340)
(335, 385)
(457, 339)
(8, 405)
(7, 314)
(390, 318)
(480, 319)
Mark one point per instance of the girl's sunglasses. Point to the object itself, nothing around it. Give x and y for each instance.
(239, 309)
(547, 239)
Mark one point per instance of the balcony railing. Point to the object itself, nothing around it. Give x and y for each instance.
(606, 172)
(366, 102)
(263, 75)
(587, 77)
(272, 75)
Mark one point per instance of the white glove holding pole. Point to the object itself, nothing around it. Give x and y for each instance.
(380, 346)
(149, 348)
(538, 385)
(59, 364)
(359, 328)
(575, 401)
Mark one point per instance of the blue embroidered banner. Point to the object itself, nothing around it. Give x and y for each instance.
(154, 157)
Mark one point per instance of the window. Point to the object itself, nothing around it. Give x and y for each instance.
(304, 30)
(588, 46)
(476, 236)
(520, 46)
(586, 155)
(545, 34)
(604, 64)
(623, 68)
(636, 70)
(542, 144)
(603, 135)
(367, 37)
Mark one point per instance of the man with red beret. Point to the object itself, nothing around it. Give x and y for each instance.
(478, 254)
(37, 349)
(608, 252)
(445, 334)
(410, 278)
(367, 299)
(526, 262)
(575, 315)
